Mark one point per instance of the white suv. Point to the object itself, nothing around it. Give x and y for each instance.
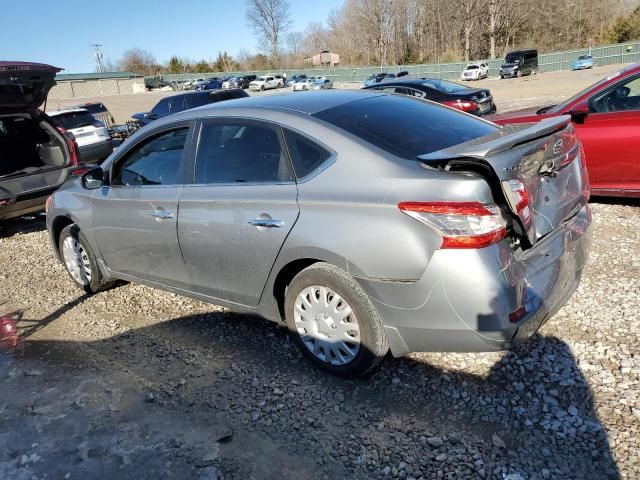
(92, 137)
(267, 82)
(475, 71)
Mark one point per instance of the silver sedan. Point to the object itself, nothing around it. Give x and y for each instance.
(364, 222)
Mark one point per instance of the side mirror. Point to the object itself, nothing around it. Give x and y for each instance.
(93, 179)
(579, 112)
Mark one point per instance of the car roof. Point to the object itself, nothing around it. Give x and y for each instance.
(309, 104)
(54, 113)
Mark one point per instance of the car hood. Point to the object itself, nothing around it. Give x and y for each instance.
(25, 85)
(515, 114)
(509, 65)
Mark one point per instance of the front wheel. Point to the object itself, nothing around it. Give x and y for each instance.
(80, 261)
(333, 321)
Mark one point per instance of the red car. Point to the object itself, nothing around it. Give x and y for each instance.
(607, 118)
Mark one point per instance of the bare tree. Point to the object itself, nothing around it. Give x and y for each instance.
(139, 61)
(270, 19)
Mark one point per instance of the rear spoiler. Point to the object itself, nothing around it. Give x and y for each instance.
(504, 139)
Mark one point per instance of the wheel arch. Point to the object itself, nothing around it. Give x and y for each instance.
(59, 223)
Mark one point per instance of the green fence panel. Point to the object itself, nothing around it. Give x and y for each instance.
(547, 62)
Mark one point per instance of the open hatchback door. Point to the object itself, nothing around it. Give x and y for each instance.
(36, 155)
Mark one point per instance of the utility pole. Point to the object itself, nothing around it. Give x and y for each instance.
(98, 55)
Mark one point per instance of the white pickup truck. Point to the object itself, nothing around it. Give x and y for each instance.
(267, 82)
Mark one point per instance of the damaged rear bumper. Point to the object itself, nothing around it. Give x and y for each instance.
(484, 299)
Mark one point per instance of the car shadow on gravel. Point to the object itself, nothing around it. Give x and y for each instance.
(230, 392)
(27, 224)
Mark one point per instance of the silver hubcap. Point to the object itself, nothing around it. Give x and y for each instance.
(327, 325)
(76, 260)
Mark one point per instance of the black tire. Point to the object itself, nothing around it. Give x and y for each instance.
(262, 88)
(97, 281)
(373, 341)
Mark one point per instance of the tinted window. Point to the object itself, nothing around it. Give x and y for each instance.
(306, 155)
(75, 120)
(198, 100)
(95, 108)
(405, 126)
(156, 162)
(162, 108)
(178, 104)
(237, 152)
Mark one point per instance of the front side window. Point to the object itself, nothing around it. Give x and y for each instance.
(162, 108)
(155, 162)
(240, 152)
(621, 98)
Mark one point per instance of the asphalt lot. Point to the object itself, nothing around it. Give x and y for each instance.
(136, 383)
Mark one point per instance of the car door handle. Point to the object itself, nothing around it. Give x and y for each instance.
(266, 222)
(161, 214)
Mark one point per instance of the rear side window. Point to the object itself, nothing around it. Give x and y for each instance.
(404, 126)
(306, 155)
(239, 152)
(75, 120)
(155, 162)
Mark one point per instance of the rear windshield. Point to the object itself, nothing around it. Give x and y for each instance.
(444, 86)
(95, 108)
(75, 120)
(405, 126)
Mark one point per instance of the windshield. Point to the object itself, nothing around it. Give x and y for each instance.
(444, 86)
(584, 57)
(405, 126)
(75, 120)
(472, 67)
(261, 79)
(512, 58)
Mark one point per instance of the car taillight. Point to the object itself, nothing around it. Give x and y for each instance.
(70, 140)
(518, 198)
(464, 105)
(461, 224)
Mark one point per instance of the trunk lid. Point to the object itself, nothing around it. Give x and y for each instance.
(538, 168)
(24, 85)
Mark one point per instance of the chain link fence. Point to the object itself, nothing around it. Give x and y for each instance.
(547, 62)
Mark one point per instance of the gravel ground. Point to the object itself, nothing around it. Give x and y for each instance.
(137, 383)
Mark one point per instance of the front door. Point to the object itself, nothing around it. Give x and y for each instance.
(611, 138)
(237, 213)
(135, 217)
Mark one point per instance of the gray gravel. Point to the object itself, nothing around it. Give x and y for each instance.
(138, 383)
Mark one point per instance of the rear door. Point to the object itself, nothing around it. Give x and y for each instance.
(135, 217)
(237, 212)
(611, 137)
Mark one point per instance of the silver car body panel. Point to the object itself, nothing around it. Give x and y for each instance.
(345, 213)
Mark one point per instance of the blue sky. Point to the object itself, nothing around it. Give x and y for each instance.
(61, 32)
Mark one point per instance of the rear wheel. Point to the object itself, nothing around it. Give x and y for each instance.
(333, 321)
(79, 260)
